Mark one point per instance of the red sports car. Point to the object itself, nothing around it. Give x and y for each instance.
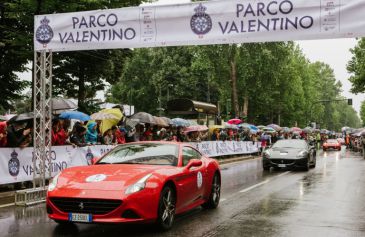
(331, 143)
(136, 182)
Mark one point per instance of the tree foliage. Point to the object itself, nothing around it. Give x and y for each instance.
(356, 66)
(275, 80)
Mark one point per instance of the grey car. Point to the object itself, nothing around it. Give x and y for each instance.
(291, 153)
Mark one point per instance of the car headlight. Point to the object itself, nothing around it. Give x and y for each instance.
(138, 186)
(53, 184)
(302, 154)
(266, 154)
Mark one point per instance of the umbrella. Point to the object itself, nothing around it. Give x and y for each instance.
(231, 126)
(286, 129)
(106, 124)
(62, 104)
(3, 118)
(268, 130)
(261, 127)
(144, 117)
(179, 122)
(275, 127)
(22, 117)
(214, 127)
(296, 129)
(363, 132)
(160, 121)
(75, 115)
(196, 128)
(251, 127)
(103, 116)
(307, 129)
(234, 121)
(167, 120)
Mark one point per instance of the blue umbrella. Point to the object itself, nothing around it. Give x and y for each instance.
(75, 115)
(179, 122)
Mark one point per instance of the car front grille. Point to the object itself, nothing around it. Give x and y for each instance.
(85, 205)
(282, 161)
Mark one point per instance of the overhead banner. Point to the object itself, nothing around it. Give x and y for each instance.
(16, 165)
(201, 23)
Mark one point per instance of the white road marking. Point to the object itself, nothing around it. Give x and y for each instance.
(263, 182)
(223, 199)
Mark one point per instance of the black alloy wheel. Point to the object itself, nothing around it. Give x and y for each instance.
(215, 193)
(166, 208)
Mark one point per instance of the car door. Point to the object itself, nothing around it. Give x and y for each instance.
(192, 180)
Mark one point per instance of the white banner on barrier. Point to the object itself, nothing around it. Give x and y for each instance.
(215, 22)
(16, 164)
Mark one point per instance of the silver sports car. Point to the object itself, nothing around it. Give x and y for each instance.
(291, 153)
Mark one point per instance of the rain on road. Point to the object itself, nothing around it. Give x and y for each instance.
(326, 201)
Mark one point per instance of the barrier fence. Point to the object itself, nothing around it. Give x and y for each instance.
(16, 164)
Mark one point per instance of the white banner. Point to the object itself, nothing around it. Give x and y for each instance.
(16, 164)
(214, 22)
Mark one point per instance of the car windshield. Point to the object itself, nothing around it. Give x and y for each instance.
(144, 153)
(294, 143)
(331, 141)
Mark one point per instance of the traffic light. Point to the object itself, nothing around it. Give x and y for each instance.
(349, 101)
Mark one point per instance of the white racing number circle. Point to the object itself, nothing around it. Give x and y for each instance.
(199, 179)
(95, 178)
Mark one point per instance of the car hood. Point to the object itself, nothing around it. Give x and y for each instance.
(284, 153)
(106, 177)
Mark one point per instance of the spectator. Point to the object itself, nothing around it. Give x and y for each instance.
(91, 133)
(3, 134)
(63, 132)
(78, 136)
(55, 131)
(120, 135)
(108, 137)
(16, 134)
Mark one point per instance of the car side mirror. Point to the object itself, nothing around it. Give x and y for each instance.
(194, 163)
(94, 160)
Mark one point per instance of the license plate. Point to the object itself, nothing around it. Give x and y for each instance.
(281, 165)
(79, 217)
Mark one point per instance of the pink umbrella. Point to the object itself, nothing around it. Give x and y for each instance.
(196, 128)
(296, 129)
(234, 121)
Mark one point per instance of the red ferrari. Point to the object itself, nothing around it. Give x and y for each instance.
(331, 143)
(136, 182)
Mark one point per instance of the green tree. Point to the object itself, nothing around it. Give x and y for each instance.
(362, 113)
(356, 67)
(15, 52)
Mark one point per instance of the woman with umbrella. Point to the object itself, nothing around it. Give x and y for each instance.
(92, 133)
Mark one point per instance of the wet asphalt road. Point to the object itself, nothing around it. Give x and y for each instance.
(326, 201)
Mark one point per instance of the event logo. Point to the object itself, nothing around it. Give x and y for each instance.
(89, 156)
(14, 164)
(44, 33)
(200, 22)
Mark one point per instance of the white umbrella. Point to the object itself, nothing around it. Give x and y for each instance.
(103, 116)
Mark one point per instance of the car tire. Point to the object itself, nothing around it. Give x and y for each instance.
(314, 163)
(166, 208)
(306, 168)
(215, 193)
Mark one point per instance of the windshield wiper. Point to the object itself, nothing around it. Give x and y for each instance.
(103, 163)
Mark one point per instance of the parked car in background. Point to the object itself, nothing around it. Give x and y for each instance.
(341, 141)
(331, 144)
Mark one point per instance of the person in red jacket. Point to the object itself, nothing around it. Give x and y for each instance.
(120, 135)
(3, 134)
